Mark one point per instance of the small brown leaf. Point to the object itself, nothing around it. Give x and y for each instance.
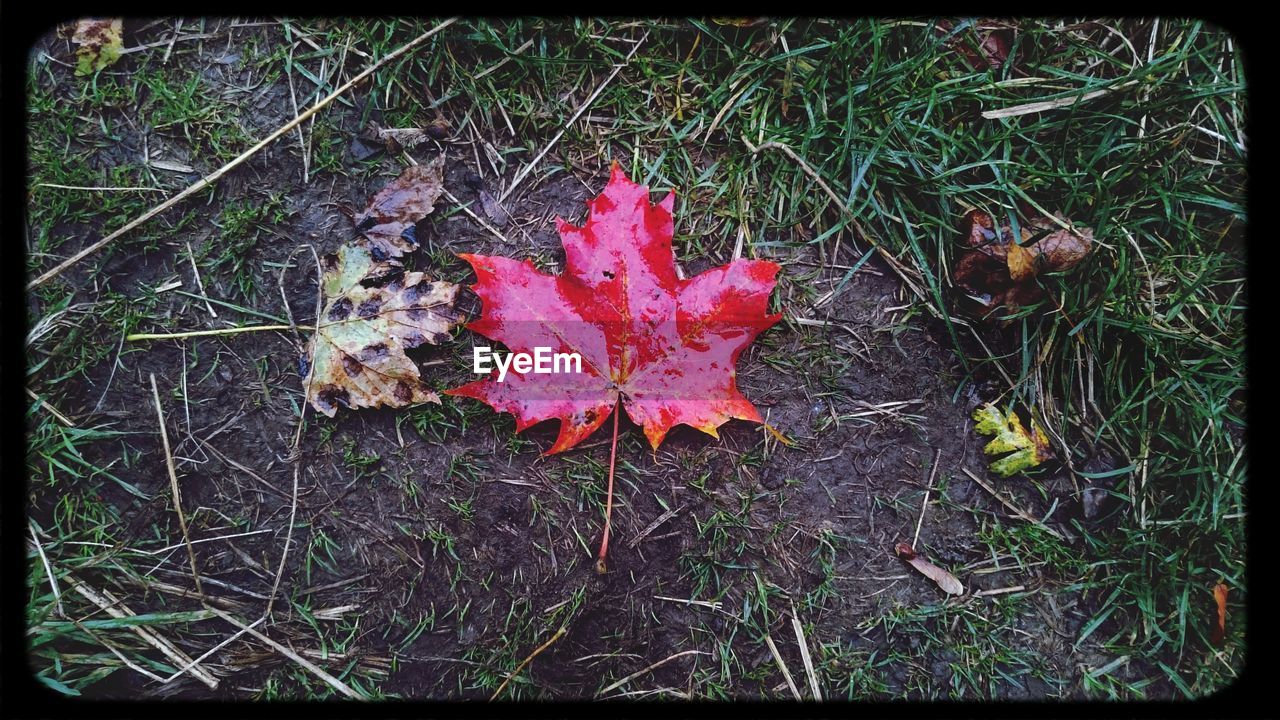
(389, 221)
(374, 312)
(944, 579)
(1220, 628)
(997, 272)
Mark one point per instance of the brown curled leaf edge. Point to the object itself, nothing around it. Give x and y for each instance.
(995, 272)
(374, 311)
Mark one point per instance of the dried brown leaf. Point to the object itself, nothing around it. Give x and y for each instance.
(388, 224)
(945, 580)
(1220, 627)
(996, 271)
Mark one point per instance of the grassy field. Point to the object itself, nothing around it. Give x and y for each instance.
(811, 142)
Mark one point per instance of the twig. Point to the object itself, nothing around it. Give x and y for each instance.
(520, 176)
(212, 177)
(182, 670)
(777, 658)
(52, 410)
(128, 663)
(476, 217)
(204, 333)
(200, 283)
(307, 665)
(1043, 105)
(559, 634)
(48, 570)
(804, 655)
(924, 505)
(654, 526)
(295, 453)
(109, 605)
(1014, 508)
(652, 667)
(173, 484)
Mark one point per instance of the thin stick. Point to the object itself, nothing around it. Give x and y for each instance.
(205, 333)
(213, 177)
(295, 452)
(559, 634)
(182, 670)
(804, 655)
(1016, 510)
(200, 283)
(777, 658)
(48, 570)
(476, 217)
(933, 473)
(307, 665)
(173, 483)
(524, 172)
(52, 410)
(601, 566)
(1043, 105)
(652, 667)
(109, 605)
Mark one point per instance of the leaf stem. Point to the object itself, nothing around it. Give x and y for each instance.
(203, 333)
(601, 566)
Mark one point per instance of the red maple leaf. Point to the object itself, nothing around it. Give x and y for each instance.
(666, 347)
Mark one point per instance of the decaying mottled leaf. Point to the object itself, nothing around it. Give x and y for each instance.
(374, 312)
(948, 582)
(98, 44)
(1025, 449)
(1220, 627)
(388, 224)
(995, 271)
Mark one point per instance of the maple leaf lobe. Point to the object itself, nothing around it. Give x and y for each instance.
(665, 347)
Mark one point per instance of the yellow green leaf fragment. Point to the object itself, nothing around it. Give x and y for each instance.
(1021, 450)
(99, 43)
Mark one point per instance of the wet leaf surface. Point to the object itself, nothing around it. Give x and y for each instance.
(373, 312)
(665, 348)
(997, 272)
(1022, 450)
(388, 224)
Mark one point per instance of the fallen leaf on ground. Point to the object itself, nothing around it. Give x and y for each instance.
(389, 223)
(98, 42)
(1026, 449)
(993, 43)
(995, 271)
(1220, 627)
(375, 311)
(945, 580)
(663, 347)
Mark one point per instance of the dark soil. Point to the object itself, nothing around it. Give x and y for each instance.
(811, 527)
